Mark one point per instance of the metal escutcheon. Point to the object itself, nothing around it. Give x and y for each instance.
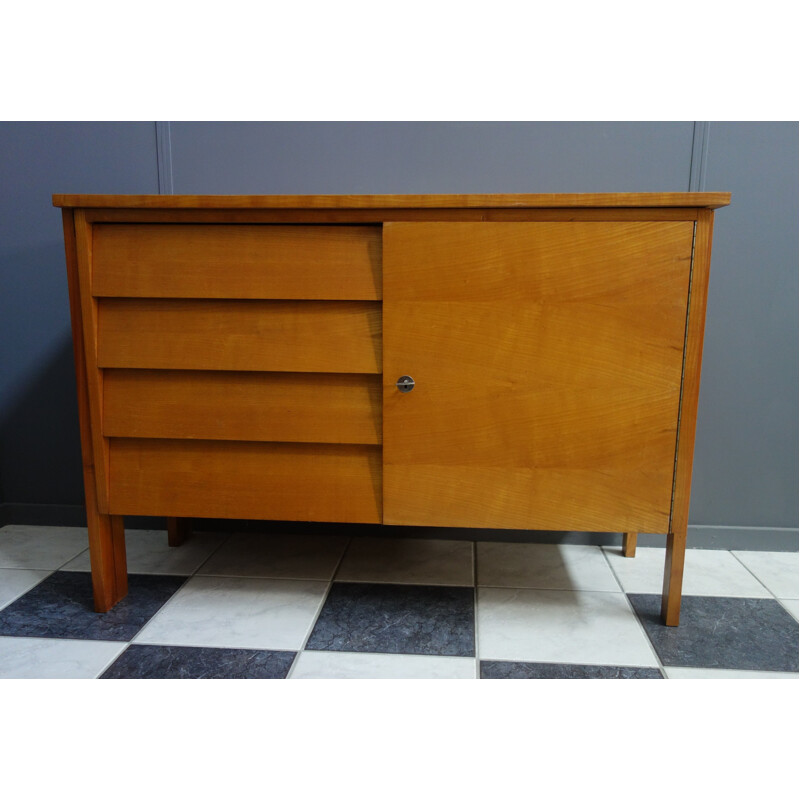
(405, 383)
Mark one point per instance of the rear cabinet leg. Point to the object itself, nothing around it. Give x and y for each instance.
(629, 544)
(673, 577)
(178, 528)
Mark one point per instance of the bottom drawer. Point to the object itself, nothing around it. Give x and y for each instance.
(245, 480)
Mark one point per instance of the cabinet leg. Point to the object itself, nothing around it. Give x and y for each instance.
(629, 544)
(673, 577)
(178, 528)
(107, 556)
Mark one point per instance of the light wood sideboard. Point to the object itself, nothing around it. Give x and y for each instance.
(481, 361)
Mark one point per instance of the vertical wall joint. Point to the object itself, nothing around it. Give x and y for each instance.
(164, 158)
(697, 169)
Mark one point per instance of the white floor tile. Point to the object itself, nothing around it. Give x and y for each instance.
(237, 612)
(777, 571)
(317, 664)
(15, 582)
(709, 573)
(545, 566)
(28, 657)
(40, 547)
(269, 555)
(691, 672)
(148, 553)
(791, 606)
(560, 626)
(417, 561)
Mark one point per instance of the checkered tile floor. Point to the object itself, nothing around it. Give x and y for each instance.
(302, 606)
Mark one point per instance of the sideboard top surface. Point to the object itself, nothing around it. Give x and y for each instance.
(367, 201)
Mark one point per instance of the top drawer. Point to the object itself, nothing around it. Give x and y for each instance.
(283, 262)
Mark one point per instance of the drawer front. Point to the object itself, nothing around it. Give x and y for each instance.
(283, 336)
(241, 480)
(315, 262)
(244, 406)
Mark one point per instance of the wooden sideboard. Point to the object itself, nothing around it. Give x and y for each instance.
(482, 361)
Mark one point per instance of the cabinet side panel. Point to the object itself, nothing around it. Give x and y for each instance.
(692, 367)
(109, 579)
(94, 375)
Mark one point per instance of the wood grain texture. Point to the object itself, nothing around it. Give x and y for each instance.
(376, 216)
(246, 406)
(246, 480)
(523, 498)
(676, 541)
(106, 536)
(611, 199)
(271, 335)
(319, 262)
(548, 373)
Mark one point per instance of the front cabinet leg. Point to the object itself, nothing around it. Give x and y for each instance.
(673, 577)
(629, 544)
(178, 528)
(108, 560)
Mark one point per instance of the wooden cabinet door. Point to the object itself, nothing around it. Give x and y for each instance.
(547, 359)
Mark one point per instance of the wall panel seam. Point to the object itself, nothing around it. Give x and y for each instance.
(164, 158)
(699, 156)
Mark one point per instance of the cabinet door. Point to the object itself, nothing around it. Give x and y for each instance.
(547, 359)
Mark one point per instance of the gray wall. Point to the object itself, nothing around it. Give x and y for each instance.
(745, 490)
(39, 442)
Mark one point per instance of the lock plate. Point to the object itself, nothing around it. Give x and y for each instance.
(405, 383)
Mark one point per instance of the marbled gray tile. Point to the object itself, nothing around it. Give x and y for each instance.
(40, 546)
(777, 571)
(709, 573)
(15, 582)
(544, 566)
(252, 613)
(275, 555)
(557, 626)
(148, 553)
(62, 607)
(29, 657)
(327, 664)
(520, 669)
(390, 618)
(158, 661)
(427, 562)
(742, 633)
(692, 673)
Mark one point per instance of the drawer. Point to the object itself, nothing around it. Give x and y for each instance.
(245, 480)
(316, 262)
(245, 406)
(269, 335)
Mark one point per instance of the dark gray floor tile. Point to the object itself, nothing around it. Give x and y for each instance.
(61, 607)
(520, 669)
(722, 633)
(156, 661)
(389, 618)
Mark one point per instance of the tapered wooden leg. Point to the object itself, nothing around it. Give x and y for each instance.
(629, 544)
(106, 532)
(106, 554)
(673, 577)
(178, 528)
